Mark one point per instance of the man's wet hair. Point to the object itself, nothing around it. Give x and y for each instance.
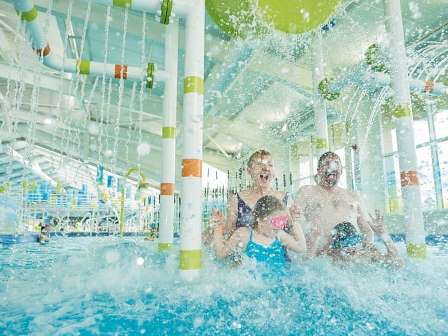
(345, 234)
(256, 155)
(266, 206)
(325, 156)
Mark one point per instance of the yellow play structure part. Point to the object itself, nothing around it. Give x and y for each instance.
(239, 18)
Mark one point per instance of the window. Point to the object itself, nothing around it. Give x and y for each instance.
(421, 131)
(425, 172)
(441, 124)
(442, 171)
(431, 140)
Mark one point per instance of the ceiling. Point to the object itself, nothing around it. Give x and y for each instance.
(253, 86)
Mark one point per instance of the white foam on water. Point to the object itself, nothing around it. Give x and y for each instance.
(67, 277)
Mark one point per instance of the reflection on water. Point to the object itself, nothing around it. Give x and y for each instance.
(107, 285)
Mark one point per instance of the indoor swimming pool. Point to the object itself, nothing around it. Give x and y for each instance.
(108, 285)
(224, 167)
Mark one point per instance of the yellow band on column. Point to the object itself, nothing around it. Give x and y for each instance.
(401, 111)
(83, 66)
(320, 143)
(194, 84)
(122, 3)
(165, 246)
(190, 260)
(168, 132)
(416, 250)
(29, 16)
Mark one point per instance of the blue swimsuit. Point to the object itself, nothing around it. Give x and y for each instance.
(274, 255)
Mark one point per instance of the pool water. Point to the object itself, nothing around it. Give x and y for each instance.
(108, 285)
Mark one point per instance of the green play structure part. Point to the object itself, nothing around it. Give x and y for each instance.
(239, 18)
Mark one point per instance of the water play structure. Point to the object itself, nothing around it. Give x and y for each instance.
(297, 17)
(125, 122)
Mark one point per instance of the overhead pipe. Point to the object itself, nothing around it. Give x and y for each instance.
(29, 15)
(363, 73)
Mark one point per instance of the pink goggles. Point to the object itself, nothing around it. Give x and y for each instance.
(280, 222)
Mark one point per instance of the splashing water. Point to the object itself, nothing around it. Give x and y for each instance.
(108, 285)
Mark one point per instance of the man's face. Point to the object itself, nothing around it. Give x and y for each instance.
(330, 172)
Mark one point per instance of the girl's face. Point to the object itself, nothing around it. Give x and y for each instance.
(277, 220)
(261, 171)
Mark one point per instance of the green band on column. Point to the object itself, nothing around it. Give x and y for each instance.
(320, 143)
(83, 66)
(168, 132)
(122, 3)
(416, 250)
(166, 8)
(150, 70)
(194, 84)
(402, 111)
(30, 15)
(190, 260)
(165, 246)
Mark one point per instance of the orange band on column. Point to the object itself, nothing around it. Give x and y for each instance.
(409, 178)
(43, 52)
(121, 71)
(429, 86)
(191, 168)
(167, 189)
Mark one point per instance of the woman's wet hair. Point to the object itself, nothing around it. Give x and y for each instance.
(266, 206)
(257, 155)
(325, 156)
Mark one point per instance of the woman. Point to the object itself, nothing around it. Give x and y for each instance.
(265, 240)
(240, 207)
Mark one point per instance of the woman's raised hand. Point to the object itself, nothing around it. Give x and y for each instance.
(216, 218)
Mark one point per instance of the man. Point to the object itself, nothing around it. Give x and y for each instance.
(326, 205)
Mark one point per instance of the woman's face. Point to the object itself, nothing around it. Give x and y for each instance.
(261, 171)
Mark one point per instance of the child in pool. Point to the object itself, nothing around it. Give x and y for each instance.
(44, 234)
(345, 245)
(264, 242)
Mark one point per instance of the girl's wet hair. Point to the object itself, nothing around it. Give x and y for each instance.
(266, 206)
(258, 154)
(325, 156)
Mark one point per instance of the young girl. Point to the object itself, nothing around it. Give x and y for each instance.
(266, 240)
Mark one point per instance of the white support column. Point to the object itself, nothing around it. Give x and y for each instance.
(371, 162)
(167, 187)
(320, 111)
(191, 227)
(415, 232)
